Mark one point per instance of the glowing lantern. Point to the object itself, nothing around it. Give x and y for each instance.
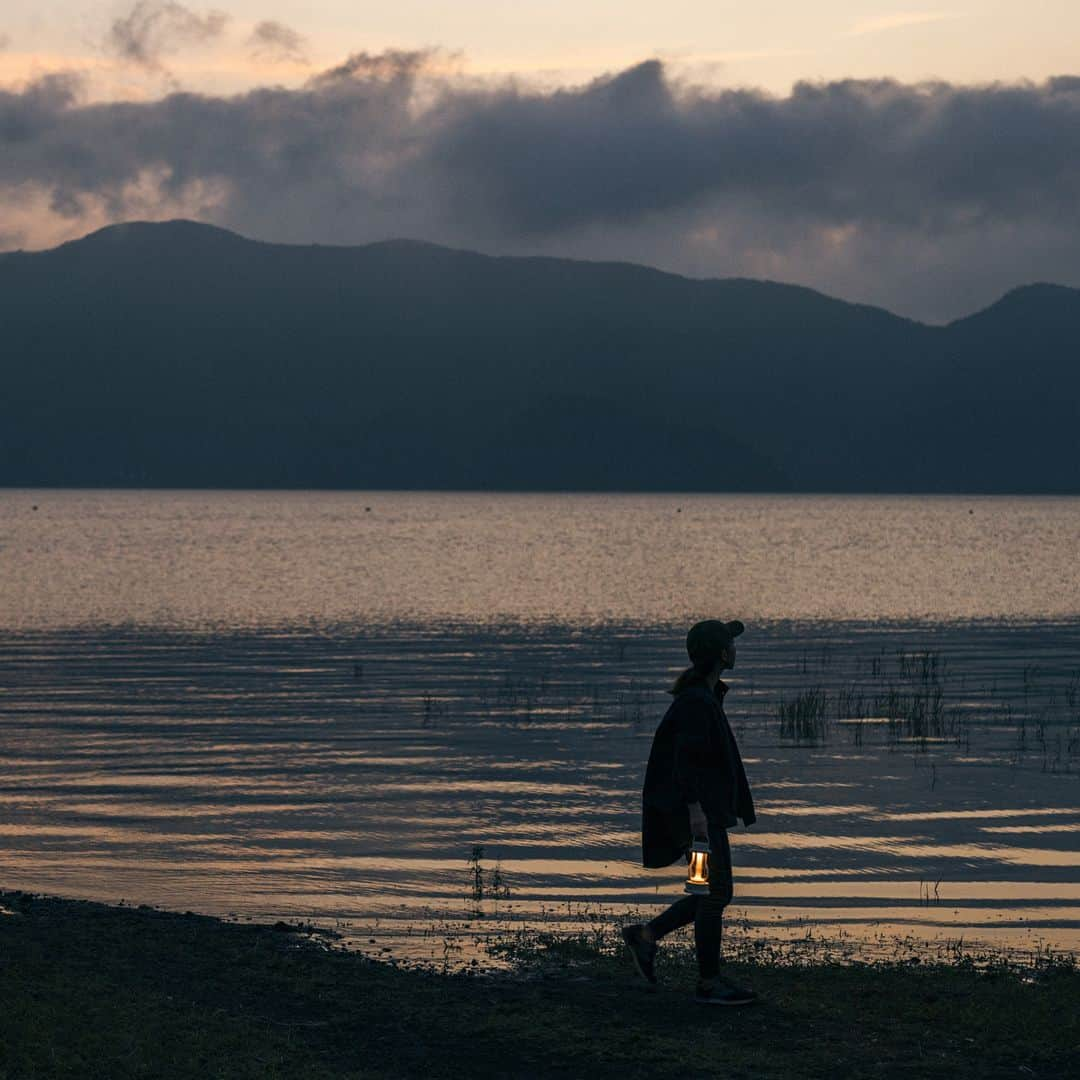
(697, 875)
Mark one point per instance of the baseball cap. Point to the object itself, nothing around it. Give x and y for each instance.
(708, 639)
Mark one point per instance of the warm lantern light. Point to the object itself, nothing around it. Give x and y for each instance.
(697, 876)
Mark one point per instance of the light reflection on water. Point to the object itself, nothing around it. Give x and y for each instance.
(253, 773)
(236, 559)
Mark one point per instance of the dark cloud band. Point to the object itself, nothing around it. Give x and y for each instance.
(723, 181)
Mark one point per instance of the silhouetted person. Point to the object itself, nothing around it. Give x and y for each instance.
(695, 788)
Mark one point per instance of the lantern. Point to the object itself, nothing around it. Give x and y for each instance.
(697, 874)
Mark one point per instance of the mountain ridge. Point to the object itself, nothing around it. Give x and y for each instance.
(182, 354)
(205, 230)
(181, 226)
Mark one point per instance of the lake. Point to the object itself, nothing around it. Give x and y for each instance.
(320, 705)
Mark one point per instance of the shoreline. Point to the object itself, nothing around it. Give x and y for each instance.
(930, 788)
(507, 626)
(94, 990)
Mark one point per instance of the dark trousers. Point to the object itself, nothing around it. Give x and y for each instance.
(705, 912)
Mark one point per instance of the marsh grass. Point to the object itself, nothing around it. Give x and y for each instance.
(804, 719)
(484, 883)
(912, 698)
(586, 932)
(917, 700)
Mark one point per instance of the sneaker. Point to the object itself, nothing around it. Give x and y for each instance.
(724, 992)
(643, 952)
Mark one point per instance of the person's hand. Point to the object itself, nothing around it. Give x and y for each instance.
(699, 824)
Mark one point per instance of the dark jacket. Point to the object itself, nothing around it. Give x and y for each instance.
(694, 758)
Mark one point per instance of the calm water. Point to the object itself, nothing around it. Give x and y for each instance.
(254, 559)
(288, 704)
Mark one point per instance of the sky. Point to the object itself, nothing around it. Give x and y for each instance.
(924, 157)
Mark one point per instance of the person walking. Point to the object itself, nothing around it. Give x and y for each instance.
(695, 788)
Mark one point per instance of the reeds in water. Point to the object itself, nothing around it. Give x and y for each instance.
(804, 719)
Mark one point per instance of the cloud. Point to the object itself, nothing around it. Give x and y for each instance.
(271, 40)
(899, 20)
(929, 198)
(399, 67)
(154, 28)
(5, 41)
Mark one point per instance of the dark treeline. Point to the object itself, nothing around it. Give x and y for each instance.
(182, 355)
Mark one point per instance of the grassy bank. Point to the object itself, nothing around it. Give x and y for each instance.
(88, 990)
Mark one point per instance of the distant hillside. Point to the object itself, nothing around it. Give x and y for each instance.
(178, 354)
